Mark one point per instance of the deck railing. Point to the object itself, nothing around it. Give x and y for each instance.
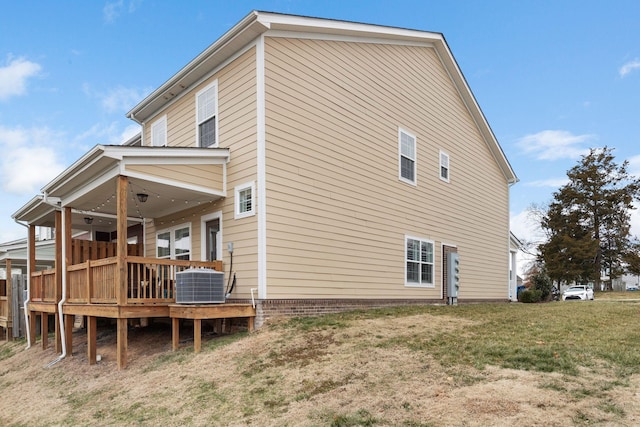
(149, 280)
(43, 283)
(43, 286)
(4, 300)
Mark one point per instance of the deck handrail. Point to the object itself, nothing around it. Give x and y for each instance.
(149, 280)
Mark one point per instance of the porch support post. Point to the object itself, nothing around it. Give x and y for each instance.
(121, 271)
(31, 267)
(91, 339)
(9, 313)
(58, 276)
(122, 343)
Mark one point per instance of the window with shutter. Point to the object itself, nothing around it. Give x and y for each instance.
(444, 166)
(207, 115)
(159, 132)
(407, 155)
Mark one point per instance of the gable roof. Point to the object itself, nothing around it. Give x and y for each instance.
(259, 23)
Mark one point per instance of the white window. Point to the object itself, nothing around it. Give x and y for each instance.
(245, 200)
(207, 116)
(444, 166)
(159, 132)
(407, 154)
(174, 243)
(418, 262)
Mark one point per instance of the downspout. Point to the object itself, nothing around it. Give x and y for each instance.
(63, 339)
(26, 301)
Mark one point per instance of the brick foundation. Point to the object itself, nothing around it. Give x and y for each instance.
(276, 308)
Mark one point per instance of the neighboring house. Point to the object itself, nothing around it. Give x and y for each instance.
(324, 165)
(514, 280)
(14, 259)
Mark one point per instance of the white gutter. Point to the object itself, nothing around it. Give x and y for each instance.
(63, 340)
(26, 301)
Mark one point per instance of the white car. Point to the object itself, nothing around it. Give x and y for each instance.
(577, 292)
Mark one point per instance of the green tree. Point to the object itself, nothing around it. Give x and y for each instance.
(632, 259)
(587, 223)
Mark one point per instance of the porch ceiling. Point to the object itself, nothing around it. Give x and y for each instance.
(173, 178)
(162, 198)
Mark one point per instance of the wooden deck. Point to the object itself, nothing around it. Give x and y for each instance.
(92, 291)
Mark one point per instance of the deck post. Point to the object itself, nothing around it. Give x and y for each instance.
(56, 336)
(68, 332)
(197, 335)
(91, 339)
(44, 329)
(33, 319)
(122, 343)
(175, 333)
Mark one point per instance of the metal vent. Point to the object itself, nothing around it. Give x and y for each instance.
(199, 286)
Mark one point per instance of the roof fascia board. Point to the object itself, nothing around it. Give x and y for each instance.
(178, 184)
(276, 21)
(85, 188)
(80, 165)
(174, 161)
(348, 38)
(154, 114)
(128, 153)
(27, 207)
(249, 24)
(456, 75)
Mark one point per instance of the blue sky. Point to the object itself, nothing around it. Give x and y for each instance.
(553, 78)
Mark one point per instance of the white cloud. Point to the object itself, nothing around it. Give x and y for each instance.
(551, 182)
(129, 132)
(100, 132)
(121, 99)
(30, 159)
(113, 9)
(634, 165)
(629, 67)
(106, 133)
(554, 145)
(117, 100)
(14, 76)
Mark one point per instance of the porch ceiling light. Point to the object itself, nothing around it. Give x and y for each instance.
(88, 219)
(142, 197)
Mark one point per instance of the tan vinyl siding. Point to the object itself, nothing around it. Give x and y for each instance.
(207, 176)
(236, 131)
(337, 212)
